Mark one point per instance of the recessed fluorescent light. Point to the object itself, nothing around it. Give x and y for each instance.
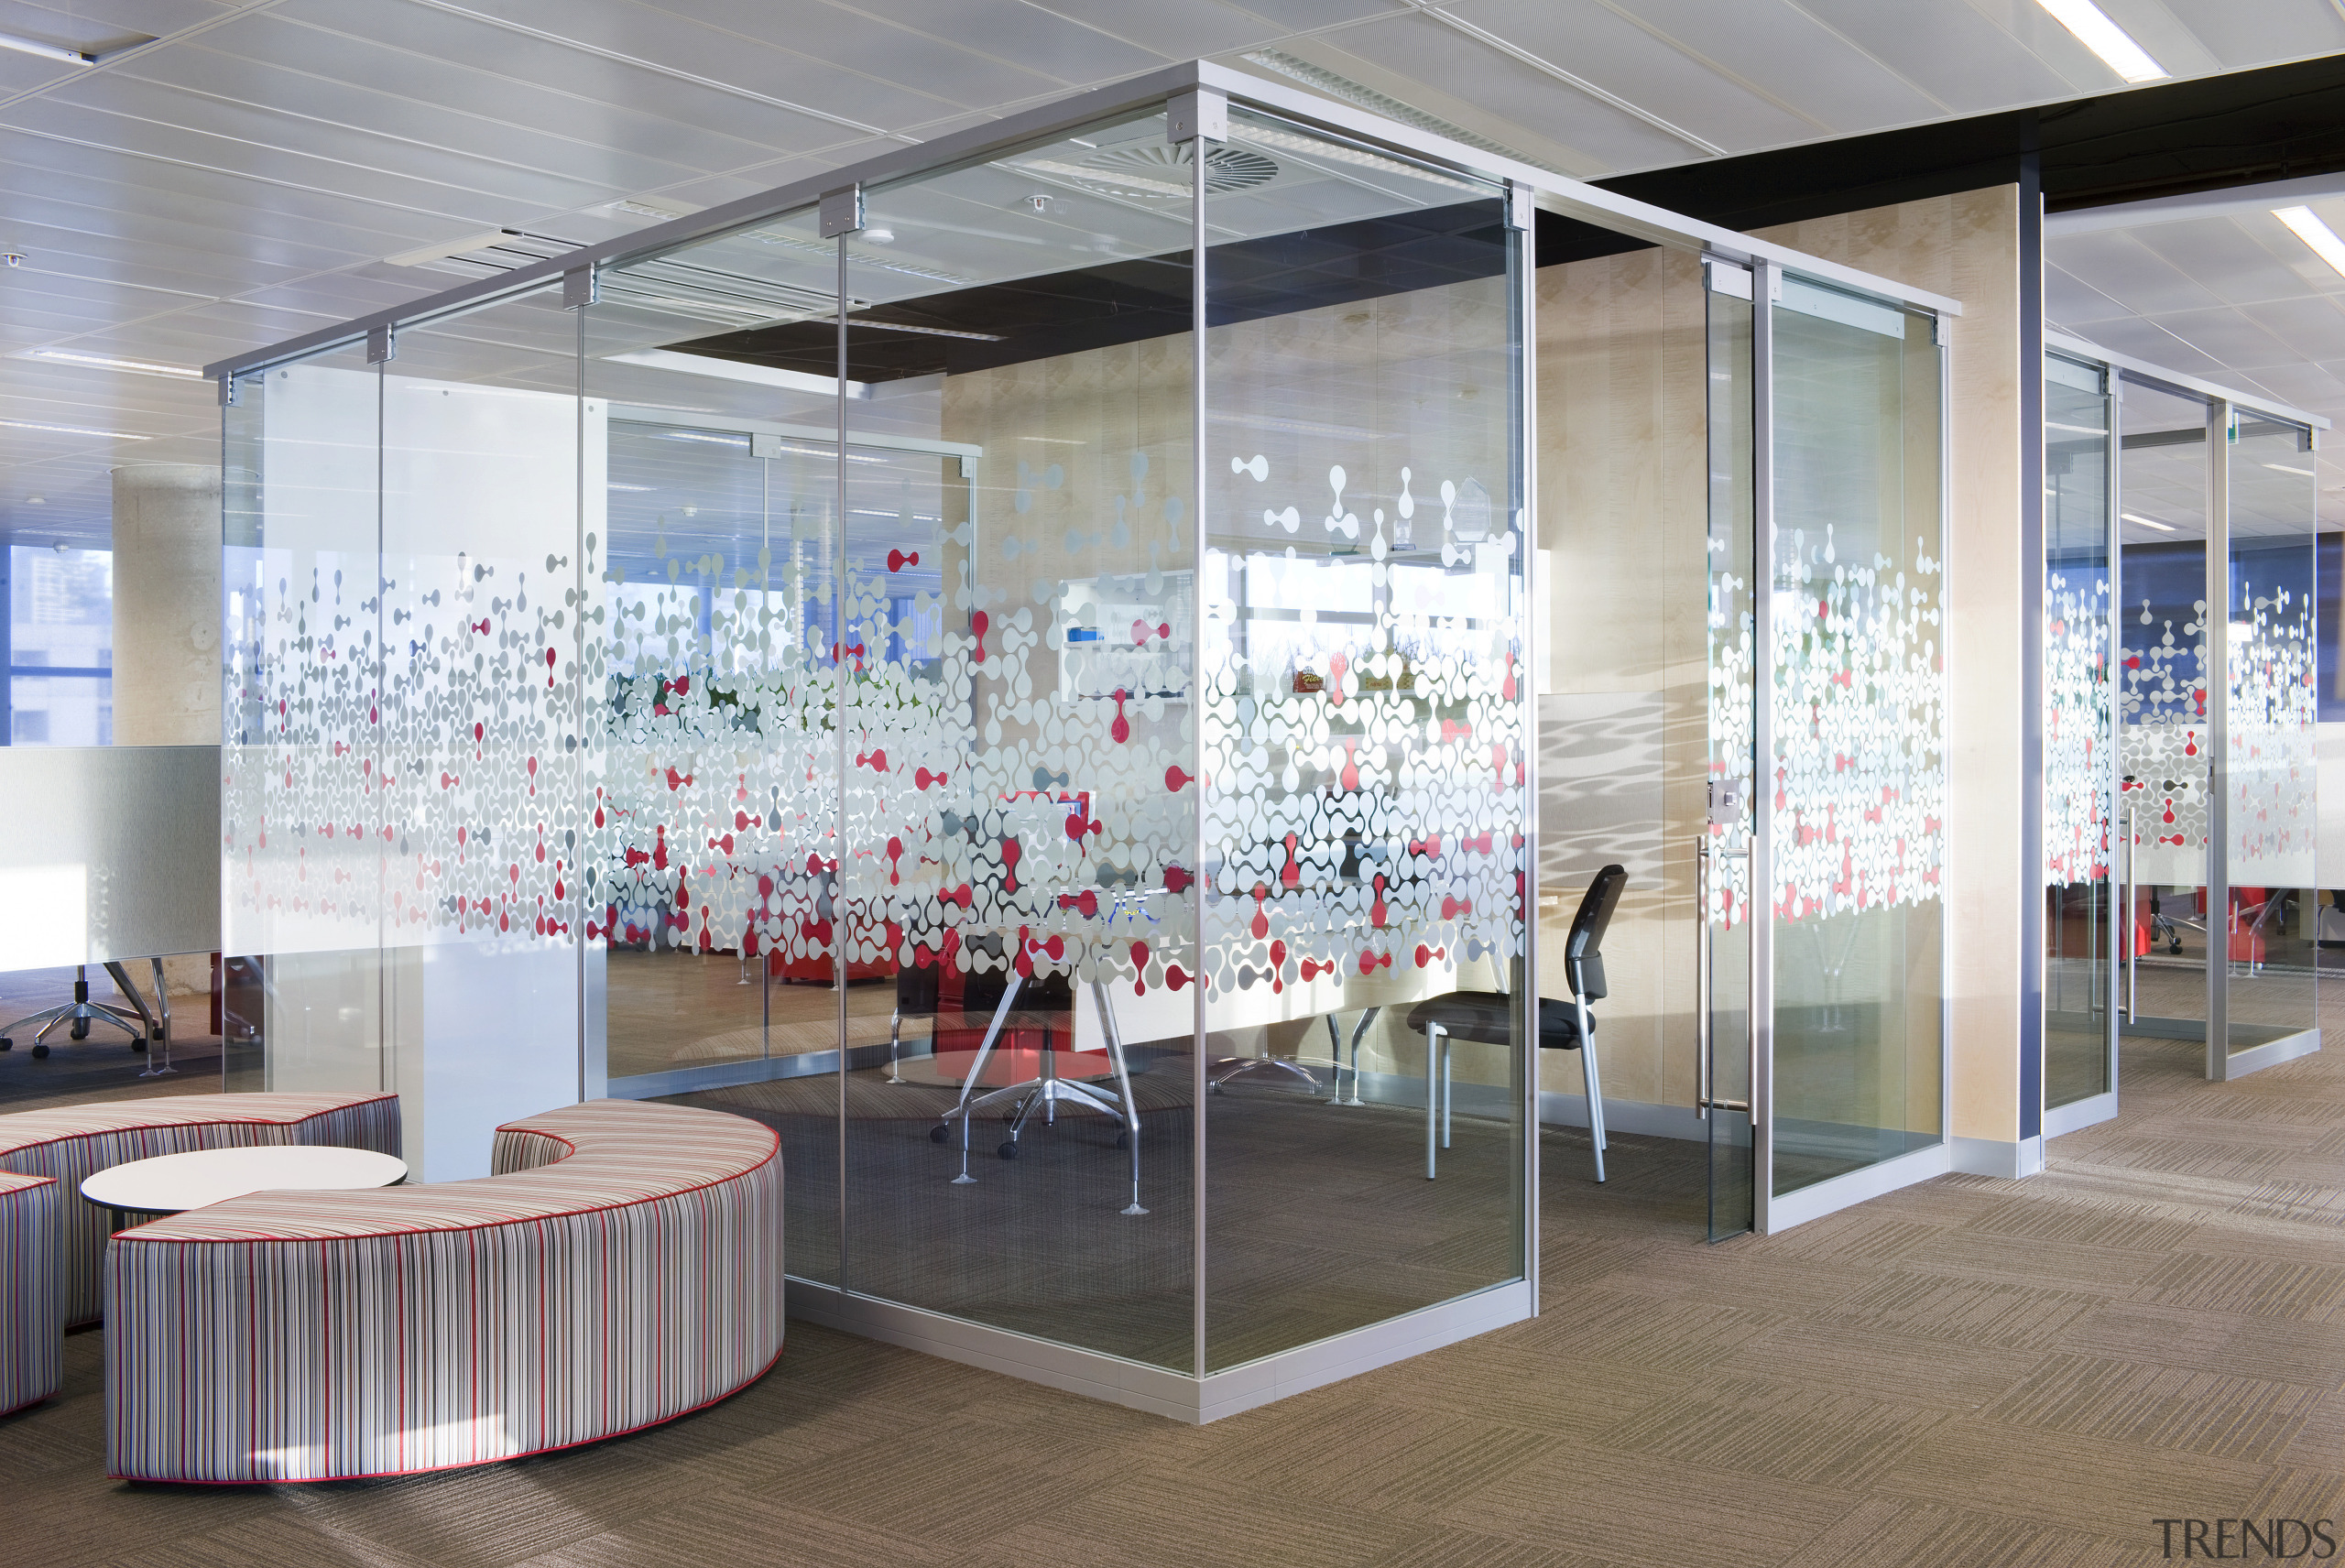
(635, 487)
(47, 51)
(2284, 468)
(736, 370)
(423, 255)
(2076, 430)
(2147, 522)
(2115, 46)
(862, 321)
(713, 437)
(67, 429)
(104, 362)
(2308, 228)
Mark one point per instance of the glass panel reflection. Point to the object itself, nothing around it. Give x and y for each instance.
(1730, 761)
(1018, 608)
(2271, 760)
(717, 799)
(2078, 844)
(1365, 719)
(2162, 707)
(1860, 734)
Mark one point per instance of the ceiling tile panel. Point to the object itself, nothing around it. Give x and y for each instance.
(720, 189)
(1602, 47)
(1949, 52)
(32, 216)
(2117, 263)
(757, 71)
(24, 73)
(350, 124)
(2253, 32)
(2226, 335)
(2308, 327)
(1294, 15)
(191, 271)
(232, 200)
(211, 90)
(2068, 298)
(2224, 259)
(1071, 51)
(2309, 386)
(843, 40)
(1783, 50)
(2143, 339)
(55, 289)
(323, 159)
(98, 23)
(1609, 139)
(1186, 30)
(454, 96)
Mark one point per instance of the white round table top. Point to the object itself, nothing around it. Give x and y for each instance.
(172, 1183)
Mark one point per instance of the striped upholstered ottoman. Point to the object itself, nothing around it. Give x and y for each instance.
(623, 1268)
(75, 1141)
(31, 1354)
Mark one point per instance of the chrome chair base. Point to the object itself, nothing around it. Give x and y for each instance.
(1048, 1092)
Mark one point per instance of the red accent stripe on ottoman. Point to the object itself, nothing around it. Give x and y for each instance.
(624, 1267)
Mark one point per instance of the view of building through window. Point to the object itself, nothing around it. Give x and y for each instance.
(59, 647)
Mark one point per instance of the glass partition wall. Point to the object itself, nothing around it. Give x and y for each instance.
(2180, 764)
(1016, 671)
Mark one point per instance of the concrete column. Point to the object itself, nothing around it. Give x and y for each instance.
(167, 604)
(167, 634)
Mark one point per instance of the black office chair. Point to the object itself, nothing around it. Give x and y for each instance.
(1488, 1016)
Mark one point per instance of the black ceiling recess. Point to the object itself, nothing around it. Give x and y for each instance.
(2280, 123)
(1127, 301)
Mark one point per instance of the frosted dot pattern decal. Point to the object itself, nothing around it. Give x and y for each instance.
(2076, 842)
(406, 730)
(1859, 782)
(2163, 704)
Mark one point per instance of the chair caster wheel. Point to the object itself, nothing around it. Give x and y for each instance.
(39, 1051)
(936, 1134)
(81, 1029)
(1123, 1140)
(6, 1044)
(138, 1045)
(1009, 1150)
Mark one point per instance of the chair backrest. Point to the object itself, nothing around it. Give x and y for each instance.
(1583, 948)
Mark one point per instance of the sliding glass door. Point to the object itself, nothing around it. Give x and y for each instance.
(1854, 761)
(2081, 922)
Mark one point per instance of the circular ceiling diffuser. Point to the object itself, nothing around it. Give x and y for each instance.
(1154, 170)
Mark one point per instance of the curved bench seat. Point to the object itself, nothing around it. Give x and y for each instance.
(32, 1354)
(623, 1268)
(73, 1142)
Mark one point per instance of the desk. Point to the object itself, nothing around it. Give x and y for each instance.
(173, 1184)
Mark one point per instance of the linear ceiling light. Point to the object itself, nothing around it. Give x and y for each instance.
(2308, 228)
(47, 51)
(104, 362)
(737, 370)
(68, 429)
(2115, 46)
(2147, 522)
